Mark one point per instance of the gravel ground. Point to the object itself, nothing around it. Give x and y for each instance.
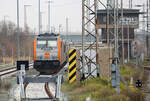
(8, 95)
(5, 95)
(37, 90)
(33, 90)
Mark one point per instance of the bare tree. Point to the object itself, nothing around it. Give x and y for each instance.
(8, 43)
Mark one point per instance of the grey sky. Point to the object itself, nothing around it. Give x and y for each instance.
(60, 9)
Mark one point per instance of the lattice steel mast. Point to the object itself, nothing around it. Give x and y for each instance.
(89, 29)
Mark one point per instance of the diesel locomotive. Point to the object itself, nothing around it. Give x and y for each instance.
(49, 53)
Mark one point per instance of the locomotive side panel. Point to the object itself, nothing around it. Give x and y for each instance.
(34, 50)
(64, 52)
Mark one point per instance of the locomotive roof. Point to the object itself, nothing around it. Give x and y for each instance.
(48, 35)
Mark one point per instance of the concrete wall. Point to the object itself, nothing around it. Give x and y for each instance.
(105, 60)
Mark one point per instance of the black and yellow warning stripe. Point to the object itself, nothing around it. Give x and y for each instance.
(72, 65)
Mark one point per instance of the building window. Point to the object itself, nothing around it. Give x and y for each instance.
(130, 20)
(104, 20)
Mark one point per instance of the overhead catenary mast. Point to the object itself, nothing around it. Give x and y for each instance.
(39, 17)
(113, 9)
(147, 37)
(25, 16)
(49, 16)
(90, 28)
(18, 33)
(67, 30)
(130, 3)
(122, 33)
(116, 58)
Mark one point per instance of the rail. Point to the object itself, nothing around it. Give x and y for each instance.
(46, 86)
(9, 70)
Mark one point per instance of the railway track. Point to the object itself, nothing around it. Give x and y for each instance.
(49, 93)
(26, 84)
(46, 87)
(5, 72)
(9, 70)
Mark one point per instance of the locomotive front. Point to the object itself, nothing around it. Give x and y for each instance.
(48, 54)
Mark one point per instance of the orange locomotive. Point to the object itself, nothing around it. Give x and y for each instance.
(49, 54)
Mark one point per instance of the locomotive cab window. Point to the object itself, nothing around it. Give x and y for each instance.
(41, 43)
(52, 43)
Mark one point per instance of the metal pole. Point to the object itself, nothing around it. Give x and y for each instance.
(97, 40)
(67, 30)
(115, 33)
(83, 38)
(108, 31)
(41, 22)
(129, 3)
(49, 16)
(128, 42)
(88, 28)
(147, 31)
(136, 55)
(25, 26)
(144, 27)
(116, 45)
(107, 22)
(115, 28)
(117, 54)
(59, 28)
(5, 19)
(122, 33)
(12, 56)
(18, 35)
(117, 37)
(39, 18)
(25, 17)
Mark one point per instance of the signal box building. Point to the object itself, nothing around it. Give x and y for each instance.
(130, 23)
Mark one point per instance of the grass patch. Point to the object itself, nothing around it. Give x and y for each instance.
(127, 71)
(100, 89)
(14, 100)
(81, 90)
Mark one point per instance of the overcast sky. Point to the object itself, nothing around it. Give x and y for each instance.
(60, 9)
